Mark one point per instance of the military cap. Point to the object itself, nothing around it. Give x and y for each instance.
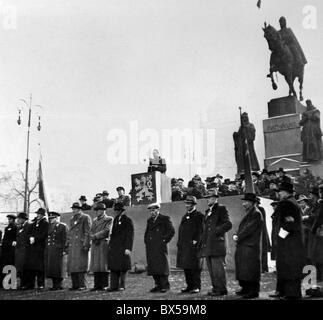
(100, 206)
(155, 205)
(191, 199)
(53, 214)
(12, 216)
(120, 188)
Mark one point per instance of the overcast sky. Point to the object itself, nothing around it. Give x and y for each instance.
(95, 66)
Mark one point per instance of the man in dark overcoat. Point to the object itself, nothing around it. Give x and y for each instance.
(8, 245)
(248, 252)
(291, 253)
(100, 235)
(212, 245)
(35, 262)
(120, 248)
(55, 250)
(159, 232)
(189, 234)
(21, 249)
(78, 244)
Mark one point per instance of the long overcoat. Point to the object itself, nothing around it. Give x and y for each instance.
(35, 259)
(8, 251)
(157, 235)
(121, 239)
(21, 247)
(291, 253)
(55, 248)
(190, 229)
(79, 243)
(100, 234)
(215, 226)
(248, 251)
(317, 232)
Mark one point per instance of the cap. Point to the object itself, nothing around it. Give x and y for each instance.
(41, 211)
(12, 216)
(76, 205)
(191, 199)
(23, 215)
(99, 206)
(120, 188)
(53, 214)
(154, 205)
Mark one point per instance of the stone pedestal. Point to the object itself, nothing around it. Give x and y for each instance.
(282, 134)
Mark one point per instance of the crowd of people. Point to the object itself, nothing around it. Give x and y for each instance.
(104, 245)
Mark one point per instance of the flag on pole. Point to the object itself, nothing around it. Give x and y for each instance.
(41, 186)
(246, 158)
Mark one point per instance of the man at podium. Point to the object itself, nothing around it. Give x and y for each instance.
(157, 163)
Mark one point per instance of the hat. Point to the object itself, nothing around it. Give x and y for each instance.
(286, 186)
(53, 214)
(98, 195)
(218, 176)
(315, 190)
(264, 171)
(12, 216)
(274, 203)
(212, 193)
(120, 188)
(154, 205)
(118, 206)
(250, 197)
(180, 179)
(105, 193)
(196, 177)
(190, 199)
(100, 206)
(302, 197)
(41, 211)
(83, 198)
(76, 205)
(23, 215)
(256, 174)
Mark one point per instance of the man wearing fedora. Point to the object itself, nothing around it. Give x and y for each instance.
(248, 251)
(159, 232)
(100, 234)
(84, 205)
(21, 245)
(120, 248)
(78, 247)
(189, 234)
(35, 262)
(122, 197)
(291, 254)
(212, 245)
(9, 241)
(55, 250)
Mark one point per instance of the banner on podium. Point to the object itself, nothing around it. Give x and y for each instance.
(144, 188)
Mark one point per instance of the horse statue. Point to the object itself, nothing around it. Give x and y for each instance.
(284, 60)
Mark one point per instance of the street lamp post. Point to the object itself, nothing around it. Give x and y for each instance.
(29, 105)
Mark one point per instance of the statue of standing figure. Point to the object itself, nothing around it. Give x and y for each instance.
(251, 136)
(311, 134)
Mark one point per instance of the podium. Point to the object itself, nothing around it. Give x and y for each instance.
(150, 187)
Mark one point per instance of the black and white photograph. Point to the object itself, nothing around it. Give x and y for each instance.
(161, 153)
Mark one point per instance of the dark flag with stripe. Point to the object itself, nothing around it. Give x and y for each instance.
(246, 158)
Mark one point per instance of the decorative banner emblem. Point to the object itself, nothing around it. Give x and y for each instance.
(143, 188)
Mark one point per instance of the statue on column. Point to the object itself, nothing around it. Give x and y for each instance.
(287, 56)
(250, 135)
(311, 134)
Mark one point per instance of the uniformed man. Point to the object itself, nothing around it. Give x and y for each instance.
(159, 232)
(84, 205)
(21, 249)
(55, 250)
(78, 247)
(120, 248)
(122, 197)
(35, 262)
(212, 245)
(189, 234)
(8, 244)
(248, 252)
(100, 234)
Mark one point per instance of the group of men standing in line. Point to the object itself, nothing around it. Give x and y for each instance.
(37, 248)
